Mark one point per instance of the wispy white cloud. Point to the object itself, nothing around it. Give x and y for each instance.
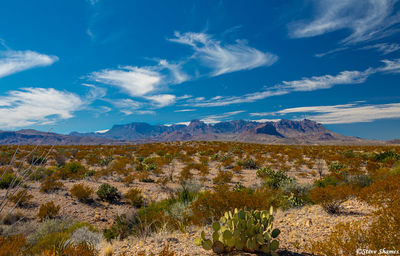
(286, 87)
(30, 106)
(347, 113)
(95, 92)
(264, 120)
(305, 84)
(162, 100)
(366, 19)
(340, 49)
(212, 119)
(391, 66)
(326, 81)
(177, 75)
(16, 61)
(224, 58)
(185, 110)
(136, 81)
(126, 106)
(384, 48)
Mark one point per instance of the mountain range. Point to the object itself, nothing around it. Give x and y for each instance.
(279, 132)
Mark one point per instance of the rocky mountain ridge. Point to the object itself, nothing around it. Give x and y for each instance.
(279, 132)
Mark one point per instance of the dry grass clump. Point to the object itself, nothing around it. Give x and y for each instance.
(48, 211)
(382, 232)
(81, 192)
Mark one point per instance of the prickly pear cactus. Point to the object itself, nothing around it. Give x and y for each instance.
(249, 231)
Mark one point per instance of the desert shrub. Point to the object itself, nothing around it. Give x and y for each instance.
(360, 180)
(395, 170)
(9, 180)
(60, 158)
(36, 160)
(85, 235)
(223, 177)
(151, 167)
(330, 197)
(50, 244)
(81, 192)
(336, 166)
(134, 196)
(328, 180)
(11, 217)
(248, 163)
(108, 193)
(106, 161)
(381, 233)
(295, 195)
(187, 192)
(72, 249)
(46, 227)
(122, 226)
(179, 215)
(384, 156)
(211, 205)
(12, 245)
(72, 170)
(21, 198)
(272, 179)
(239, 187)
(50, 185)
(48, 211)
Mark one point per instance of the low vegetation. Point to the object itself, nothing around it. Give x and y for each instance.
(164, 188)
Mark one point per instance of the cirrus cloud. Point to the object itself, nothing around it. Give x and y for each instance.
(224, 58)
(35, 106)
(366, 19)
(16, 61)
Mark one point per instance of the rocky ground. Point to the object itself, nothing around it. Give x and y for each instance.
(299, 227)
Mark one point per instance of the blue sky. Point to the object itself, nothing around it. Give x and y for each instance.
(87, 65)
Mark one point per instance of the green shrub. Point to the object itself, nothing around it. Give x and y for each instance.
(336, 166)
(81, 192)
(248, 163)
(8, 180)
(36, 160)
(134, 196)
(108, 193)
(48, 211)
(122, 226)
(249, 231)
(187, 192)
(381, 157)
(329, 180)
(72, 170)
(272, 179)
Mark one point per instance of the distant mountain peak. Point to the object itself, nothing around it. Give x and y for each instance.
(283, 131)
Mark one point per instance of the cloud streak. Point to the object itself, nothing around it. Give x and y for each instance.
(286, 87)
(347, 113)
(366, 19)
(224, 58)
(213, 119)
(305, 84)
(30, 106)
(12, 62)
